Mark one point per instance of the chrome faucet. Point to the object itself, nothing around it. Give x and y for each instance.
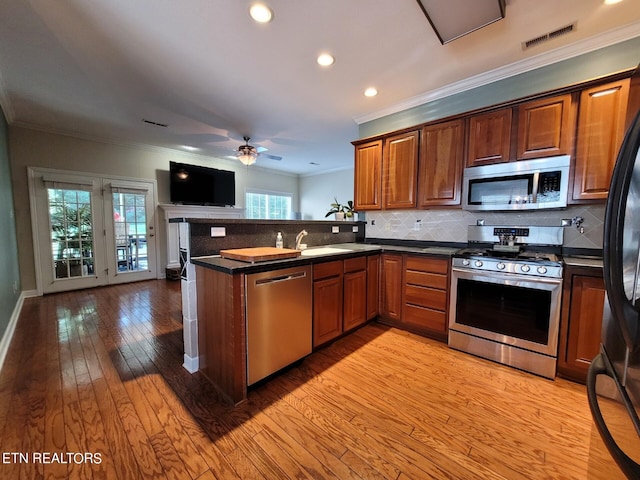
(299, 238)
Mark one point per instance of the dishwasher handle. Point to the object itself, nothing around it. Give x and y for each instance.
(281, 278)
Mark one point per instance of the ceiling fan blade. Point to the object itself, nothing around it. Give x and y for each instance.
(271, 157)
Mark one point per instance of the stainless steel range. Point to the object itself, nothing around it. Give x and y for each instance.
(505, 296)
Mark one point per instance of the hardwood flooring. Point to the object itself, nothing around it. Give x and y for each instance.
(93, 387)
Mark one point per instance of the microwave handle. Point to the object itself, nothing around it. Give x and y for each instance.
(534, 190)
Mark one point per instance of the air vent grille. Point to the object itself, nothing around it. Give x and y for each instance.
(549, 36)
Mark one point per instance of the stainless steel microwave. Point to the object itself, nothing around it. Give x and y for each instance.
(522, 185)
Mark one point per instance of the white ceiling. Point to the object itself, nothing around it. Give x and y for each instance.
(97, 68)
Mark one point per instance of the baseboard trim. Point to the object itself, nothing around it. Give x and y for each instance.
(11, 327)
(191, 364)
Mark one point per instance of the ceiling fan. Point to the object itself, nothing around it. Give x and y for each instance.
(248, 154)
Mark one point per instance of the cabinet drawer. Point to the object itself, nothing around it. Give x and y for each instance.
(425, 279)
(355, 264)
(428, 264)
(327, 269)
(425, 317)
(426, 297)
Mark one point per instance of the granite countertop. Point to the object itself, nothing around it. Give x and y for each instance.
(226, 265)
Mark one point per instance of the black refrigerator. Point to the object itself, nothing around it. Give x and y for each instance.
(613, 382)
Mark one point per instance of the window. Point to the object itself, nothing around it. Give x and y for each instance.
(269, 205)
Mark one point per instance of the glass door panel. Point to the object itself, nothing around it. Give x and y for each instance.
(132, 239)
(71, 224)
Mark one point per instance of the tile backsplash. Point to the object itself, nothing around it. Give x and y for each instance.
(450, 225)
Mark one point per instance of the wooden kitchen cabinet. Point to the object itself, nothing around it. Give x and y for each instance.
(583, 300)
(426, 286)
(373, 275)
(327, 301)
(546, 127)
(391, 286)
(489, 139)
(354, 311)
(440, 164)
(400, 170)
(601, 128)
(368, 176)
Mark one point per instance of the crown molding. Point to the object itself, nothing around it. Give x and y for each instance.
(590, 44)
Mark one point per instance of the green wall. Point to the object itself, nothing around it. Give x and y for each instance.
(615, 58)
(9, 273)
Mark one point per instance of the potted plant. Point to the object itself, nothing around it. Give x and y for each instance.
(341, 211)
(349, 211)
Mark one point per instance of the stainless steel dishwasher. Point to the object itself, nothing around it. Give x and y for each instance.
(279, 312)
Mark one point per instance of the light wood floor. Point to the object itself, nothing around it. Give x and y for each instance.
(99, 371)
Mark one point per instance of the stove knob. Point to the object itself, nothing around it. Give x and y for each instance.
(542, 270)
(525, 268)
(478, 263)
(500, 266)
(466, 262)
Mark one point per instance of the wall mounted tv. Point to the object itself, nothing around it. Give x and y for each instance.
(194, 185)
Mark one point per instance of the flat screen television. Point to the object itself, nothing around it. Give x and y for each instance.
(194, 185)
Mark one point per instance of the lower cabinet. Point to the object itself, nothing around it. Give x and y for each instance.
(391, 286)
(583, 300)
(354, 308)
(414, 293)
(343, 291)
(327, 301)
(426, 286)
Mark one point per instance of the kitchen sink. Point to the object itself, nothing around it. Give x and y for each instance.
(312, 252)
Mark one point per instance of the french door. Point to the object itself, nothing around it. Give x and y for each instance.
(90, 231)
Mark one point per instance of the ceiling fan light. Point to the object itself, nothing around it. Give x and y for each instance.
(247, 158)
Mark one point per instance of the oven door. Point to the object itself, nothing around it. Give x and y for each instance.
(512, 309)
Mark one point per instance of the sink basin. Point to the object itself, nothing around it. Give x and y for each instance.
(312, 252)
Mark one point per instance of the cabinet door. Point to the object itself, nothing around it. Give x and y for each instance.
(391, 286)
(355, 299)
(600, 133)
(400, 171)
(327, 309)
(373, 269)
(440, 166)
(368, 176)
(489, 138)
(545, 127)
(580, 340)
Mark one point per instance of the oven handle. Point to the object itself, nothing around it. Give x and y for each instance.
(599, 367)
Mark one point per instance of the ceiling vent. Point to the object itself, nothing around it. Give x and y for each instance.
(157, 124)
(549, 36)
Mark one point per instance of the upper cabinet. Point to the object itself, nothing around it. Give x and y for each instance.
(400, 170)
(601, 127)
(422, 166)
(440, 165)
(489, 138)
(368, 176)
(545, 127)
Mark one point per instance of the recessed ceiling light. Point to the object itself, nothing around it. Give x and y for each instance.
(370, 92)
(611, 2)
(260, 13)
(190, 148)
(325, 59)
